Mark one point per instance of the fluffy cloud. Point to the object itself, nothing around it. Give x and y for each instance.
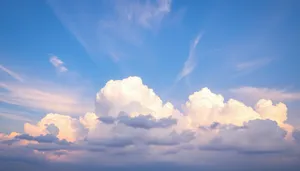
(205, 107)
(131, 123)
(130, 96)
(256, 136)
(39, 96)
(69, 128)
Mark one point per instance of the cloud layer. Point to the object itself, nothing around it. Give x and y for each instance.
(131, 124)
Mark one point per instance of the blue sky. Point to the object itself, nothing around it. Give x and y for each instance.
(57, 57)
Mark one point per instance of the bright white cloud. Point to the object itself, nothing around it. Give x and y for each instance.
(256, 136)
(190, 63)
(139, 127)
(131, 96)
(11, 73)
(205, 107)
(256, 93)
(58, 64)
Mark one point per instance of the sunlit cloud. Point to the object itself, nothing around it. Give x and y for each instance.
(44, 98)
(132, 124)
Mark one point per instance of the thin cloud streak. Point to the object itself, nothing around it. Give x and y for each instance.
(14, 117)
(11, 73)
(190, 63)
(54, 99)
(266, 93)
(107, 33)
(253, 64)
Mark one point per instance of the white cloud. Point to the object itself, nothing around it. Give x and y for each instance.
(131, 96)
(145, 14)
(190, 63)
(257, 93)
(69, 128)
(58, 64)
(45, 97)
(254, 64)
(11, 73)
(205, 107)
(13, 116)
(147, 131)
(109, 27)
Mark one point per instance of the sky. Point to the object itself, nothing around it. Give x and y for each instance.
(149, 85)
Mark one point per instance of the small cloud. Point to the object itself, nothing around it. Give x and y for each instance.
(11, 73)
(58, 64)
(249, 65)
(256, 93)
(190, 63)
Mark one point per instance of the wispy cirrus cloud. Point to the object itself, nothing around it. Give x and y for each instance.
(14, 115)
(190, 63)
(44, 97)
(58, 64)
(266, 93)
(253, 64)
(107, 31)
(11, 73)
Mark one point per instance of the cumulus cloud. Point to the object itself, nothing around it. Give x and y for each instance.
(69, 128)
(257, 136)
(132, 124)
(58, 64)
(205, 107)
(132, 97)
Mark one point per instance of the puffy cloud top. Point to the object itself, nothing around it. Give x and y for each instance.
(131, 96)
(131, 120)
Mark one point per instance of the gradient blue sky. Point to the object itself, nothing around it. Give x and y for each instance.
(56, 55)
